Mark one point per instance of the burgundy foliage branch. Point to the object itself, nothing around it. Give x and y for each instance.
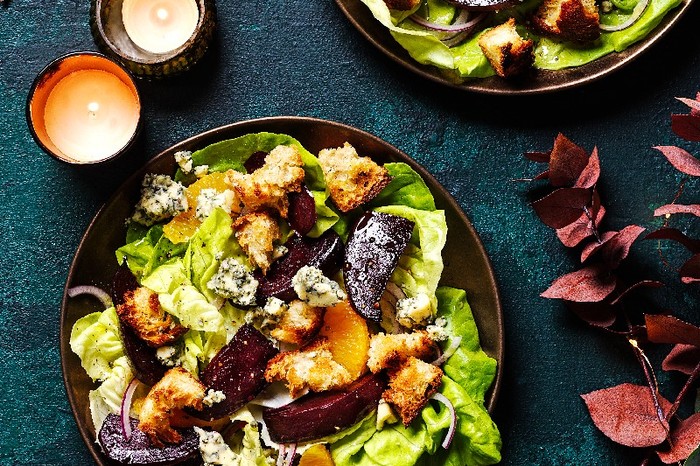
(633, 415)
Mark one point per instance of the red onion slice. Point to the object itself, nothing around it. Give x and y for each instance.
(126, 407)
(286, 454)
(448, 352)
(282, 455)
(460, 23)
(99, 293)
(453, 425)
(637, 13)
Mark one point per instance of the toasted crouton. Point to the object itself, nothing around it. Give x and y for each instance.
(352, 180)
(256, 232)
(571, 20)
(176, 390)
(390, 351)
(298, 323)
(411, 386)
(508, 53)
(142, 312)
(312, 368)
(268, 186)
(402, 4)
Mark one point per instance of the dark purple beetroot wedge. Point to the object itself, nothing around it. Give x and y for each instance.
(255, 161)
(122, 282)
(147, 368)
(325, 253)
(302, 211)
(139, 450)
(320, 414)
(371, 255)
(238, 370)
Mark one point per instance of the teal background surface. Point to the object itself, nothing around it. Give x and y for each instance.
(304, 58)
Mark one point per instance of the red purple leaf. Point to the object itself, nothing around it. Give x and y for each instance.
(686, 126)
(681, 159)
(588, 285)
(540, 157)
(627, 414)
(599, 314)
(567, 161)
(571, 235)
(682, 358)
(690, 271)
(591, 248)
(684, 439)
(670, 209)
(563, 206)
(670, 329)
(673, 234)
(694, 104)
(542, 176)
(640, 284)
(590, 174)
(614, 246)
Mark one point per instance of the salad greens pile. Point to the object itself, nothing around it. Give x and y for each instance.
(179, 273)
(466, 60)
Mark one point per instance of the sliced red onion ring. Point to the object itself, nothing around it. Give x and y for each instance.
(637, 13)
(99, 293)
(126, 407)
(286, 454)
(462, 36)
(453, 425)
(460, 23)
(282, 455)
(448, 352)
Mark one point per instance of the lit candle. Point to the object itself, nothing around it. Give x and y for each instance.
(160, 26)
(84, 108)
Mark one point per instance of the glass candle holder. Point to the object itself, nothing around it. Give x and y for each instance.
(84, 108)
(153, 38)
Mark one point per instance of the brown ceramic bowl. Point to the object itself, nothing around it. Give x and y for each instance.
(95, 263)
(541, 81)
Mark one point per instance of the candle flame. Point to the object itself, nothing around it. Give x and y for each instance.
(93, 107)
(162, 14)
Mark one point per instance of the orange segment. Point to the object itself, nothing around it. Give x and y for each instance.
(316, 455)
(348, 336)
(182, 226)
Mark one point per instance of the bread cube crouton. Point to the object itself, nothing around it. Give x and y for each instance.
(176, 390)
(508, 53)
(142, 312)
(390, 351)
(312, 367)
(352, 180)
(411, 386)
(570, 20)
(299, 322)
(257, 232)
(402, 4)
(268, 186)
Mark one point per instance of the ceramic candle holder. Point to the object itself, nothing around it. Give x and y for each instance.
(110, 34)
(83, 109)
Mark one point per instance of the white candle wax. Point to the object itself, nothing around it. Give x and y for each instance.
(160, 26)
(91, 115)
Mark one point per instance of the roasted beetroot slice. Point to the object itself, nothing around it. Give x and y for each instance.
(139, 450)
(238, 370)
(141, 356)
(302, 211)
(371, 255)
(122, 282)
(319, 414)
(255, 161)
(325, 253)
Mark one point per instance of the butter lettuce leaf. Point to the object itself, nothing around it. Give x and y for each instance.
(107, 398)
(149, 252)
(192, 309)
(95, 339)
(406, 188)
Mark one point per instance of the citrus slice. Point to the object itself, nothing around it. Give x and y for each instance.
(317, 455)
(348, 336)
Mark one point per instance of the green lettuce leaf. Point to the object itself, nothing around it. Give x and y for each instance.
(149, 252)
(95, 339)
(420, 266)
(107, 398)
(469, 366)
(192, 309)
(166, 278)
(406, 188)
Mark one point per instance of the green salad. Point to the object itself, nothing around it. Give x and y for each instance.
(180, 270)
(465, 59)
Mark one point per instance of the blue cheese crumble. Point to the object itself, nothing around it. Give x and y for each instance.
(161, 198)
(184, 161)
(212, 397)
(438, 330)
(169, 356)
(233, 281)
(415, 311)
(268, 316)
(209, 199)
(316, 289)
(201, 170)
(214, 449)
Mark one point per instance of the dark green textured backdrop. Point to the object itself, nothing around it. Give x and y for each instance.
(304, 58)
